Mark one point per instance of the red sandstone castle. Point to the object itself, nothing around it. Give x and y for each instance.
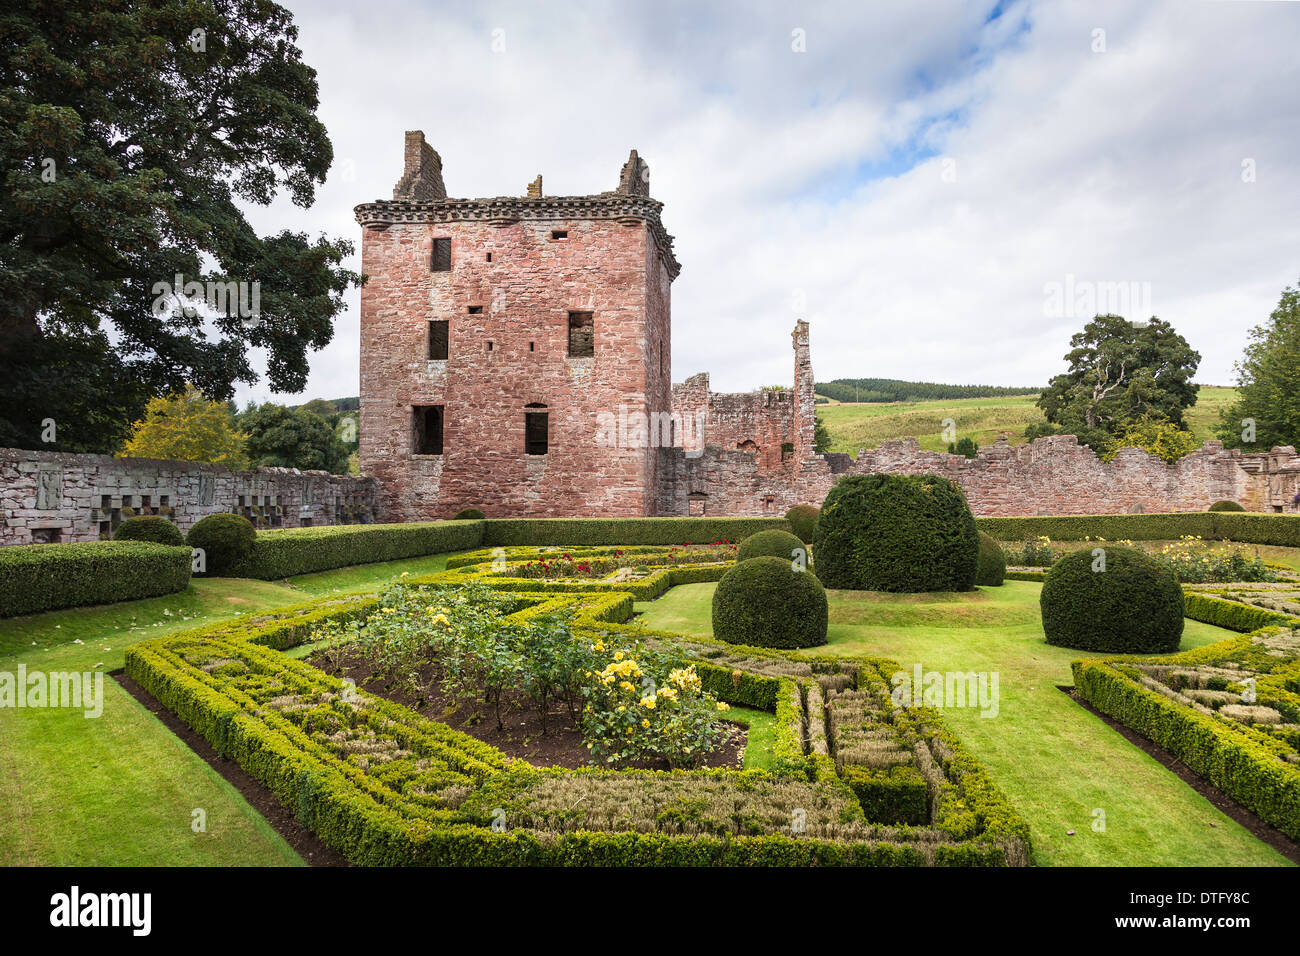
(516, 357)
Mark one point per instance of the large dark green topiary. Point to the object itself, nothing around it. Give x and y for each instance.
(1226, 506)
(468, 514)
(991, 569)
(901, 533)
(765, 602)
(149, 528)
(803, 519)
(1134, 606)
(226, 540)
(773, 543)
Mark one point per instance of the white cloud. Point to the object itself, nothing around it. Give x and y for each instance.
(1115, 166)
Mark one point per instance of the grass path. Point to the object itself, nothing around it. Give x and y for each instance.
(1056, 762)
(121, 789)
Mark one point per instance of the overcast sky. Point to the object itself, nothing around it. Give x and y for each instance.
(942, 189)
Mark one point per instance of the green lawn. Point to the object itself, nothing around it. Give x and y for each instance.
(1056, 762)
(121, 789)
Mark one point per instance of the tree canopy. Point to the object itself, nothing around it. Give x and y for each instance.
(186, 426)
(293, 438)
(130, 132)
(1268, 388)
(1120, 372)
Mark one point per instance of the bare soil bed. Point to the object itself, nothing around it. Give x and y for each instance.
(521, 732)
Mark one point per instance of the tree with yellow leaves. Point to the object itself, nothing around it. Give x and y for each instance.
(186, 426)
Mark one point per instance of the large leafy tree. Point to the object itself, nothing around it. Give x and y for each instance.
(1268, 381)
(1119, 372)
(130, 133)
(294, 438)
(186, 426)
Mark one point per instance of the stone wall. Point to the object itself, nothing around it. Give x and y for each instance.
(56, 496)
(1050, 476)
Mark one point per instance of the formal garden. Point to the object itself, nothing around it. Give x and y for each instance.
(881, 680)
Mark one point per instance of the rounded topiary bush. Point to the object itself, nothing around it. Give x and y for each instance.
(991, 568)
(901, 533)
(772, 543)
(1226, 506)
(803, 519)
(1113, 599)
(149, 528)
(226, 540)
(765, 602)
(468, 514)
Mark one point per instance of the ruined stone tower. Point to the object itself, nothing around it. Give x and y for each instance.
(497, 335)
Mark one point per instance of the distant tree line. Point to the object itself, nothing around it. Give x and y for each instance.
(896, 390)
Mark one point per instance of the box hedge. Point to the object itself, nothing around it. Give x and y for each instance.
(46, 577)
(1245, 527)
(289, 551)
(578, 532)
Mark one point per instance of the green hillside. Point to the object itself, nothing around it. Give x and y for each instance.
(853, 426)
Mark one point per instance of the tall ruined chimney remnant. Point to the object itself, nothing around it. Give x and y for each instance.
(422, 178)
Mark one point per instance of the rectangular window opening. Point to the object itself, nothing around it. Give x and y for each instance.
(559, 234)
(427, 428)
(489, 257)
(476, 310)
(582, 335)
(536, 428)
(489, 346)
(441, 257)
(439, 335)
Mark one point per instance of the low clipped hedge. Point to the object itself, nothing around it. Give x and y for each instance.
(46, 577)
(772, 543)
(468, 514)
(286, 552)
(1214, 749)
(225, 540)
(153, 528)
(991, 569)
(1245, 527)
(577, 532)
(1226, 506)
(1134, 606)
(898, 533)
(1231, 615)
(896, 795)
(803, 520)
(766, 603)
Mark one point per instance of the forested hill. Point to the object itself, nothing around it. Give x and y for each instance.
(896, 390)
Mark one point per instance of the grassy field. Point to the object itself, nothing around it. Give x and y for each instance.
(1057, 763)
(866, 425)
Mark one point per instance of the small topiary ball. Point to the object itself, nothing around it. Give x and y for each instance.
(149, 528)
(1133, 606)
(468, 514)
(226, 540)
(991, 569)
(1226, 506)
(803, 519)
(773, 543)
(900, 533)
(765, 602)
